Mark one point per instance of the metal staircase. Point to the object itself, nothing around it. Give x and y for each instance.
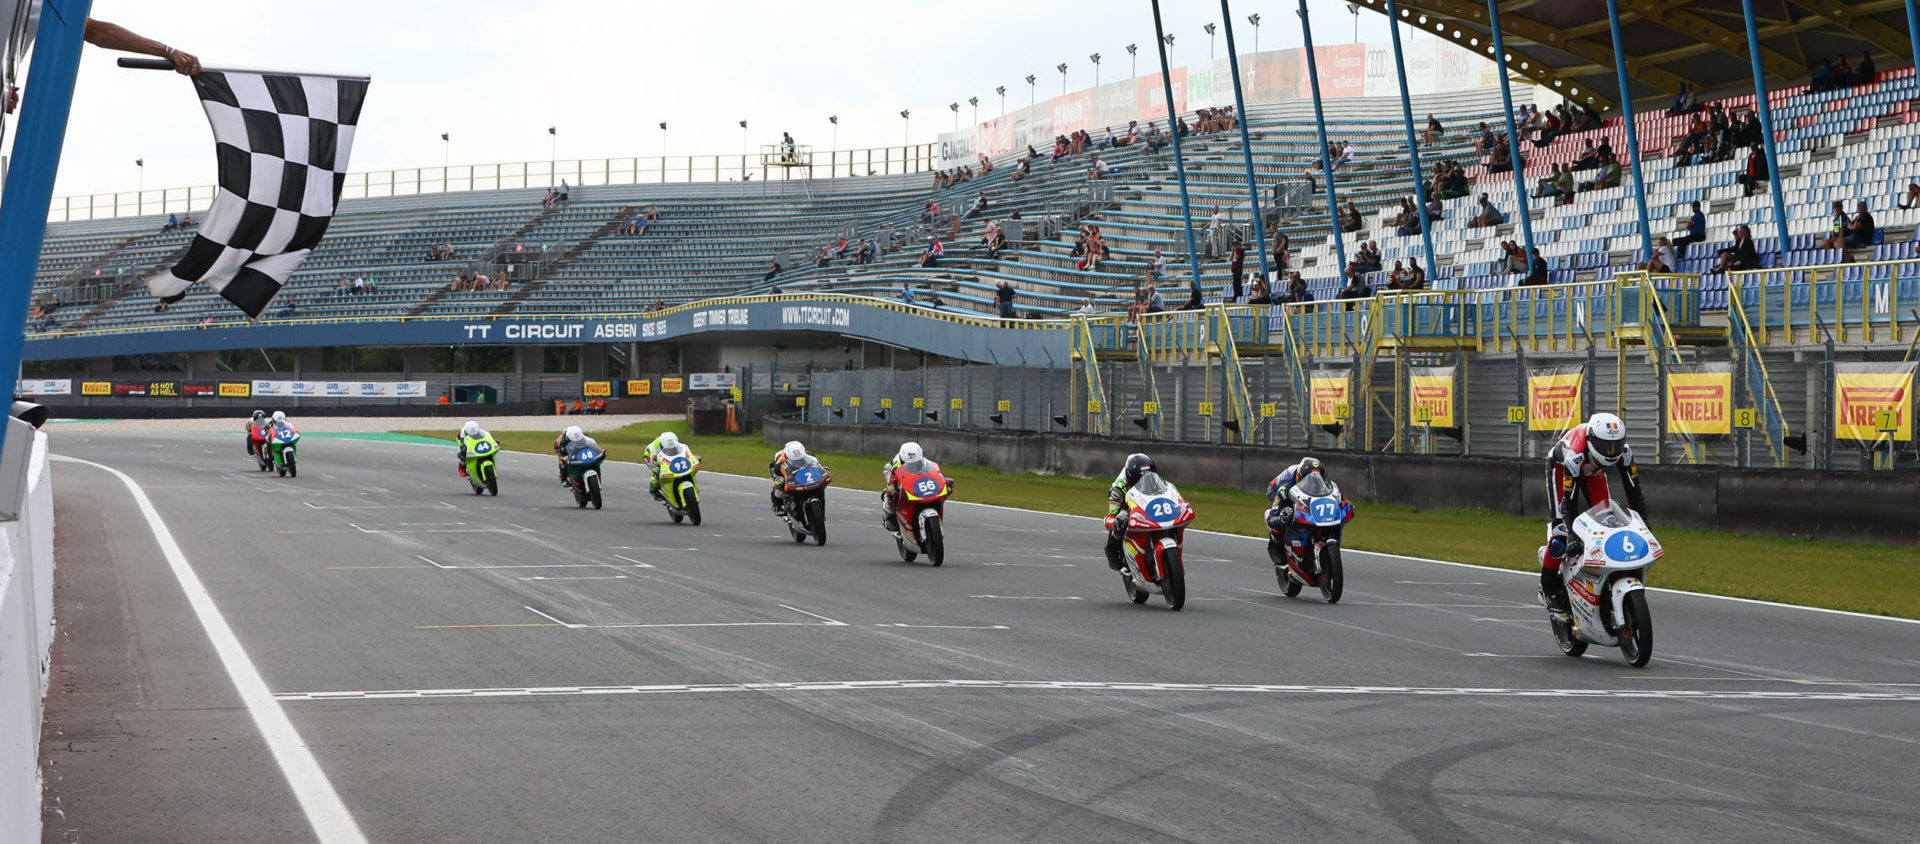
(1768, 418)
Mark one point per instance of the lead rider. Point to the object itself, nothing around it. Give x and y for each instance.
(1578, 465)
(1137, 465)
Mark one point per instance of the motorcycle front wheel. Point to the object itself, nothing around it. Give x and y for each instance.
(817, 519)
(936, 540)
(593, 490)
(1636, 636)
(1331, 576)
(1174, 582)
(690, 495)
(493, 484)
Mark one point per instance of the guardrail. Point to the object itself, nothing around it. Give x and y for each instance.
(1864, 302)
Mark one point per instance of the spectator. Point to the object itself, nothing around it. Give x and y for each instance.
(1370, 257)
(1662, 260)
(1155, 302)
(1297, 292)
(1913, 196)
(1107, 142)
(1356, 288)
(1563, 186)
(359, 285)
(1436, 210)
(1741, 255)
(986, 164)
(653, 212)
(1399, 278)
(1858, 231)
(1282, 250)
(1100, 169)
(1683, 103)
(1537, 269)
(1609, 176)
(1257, 295)
(1433, 132)
(1864, 72)
(772, 270)
(1156, 140)
(1350, 220)
(822, 258)
(906, 293)
(565, 193)
(173, 223)
(994, 240)
(1453, 182)
(1696, 231)
(934, 252)
(1516, 258)
(1003, 295)
(1193, 302)
(1214, 225)
(1134, 134)
(864, 254)
(1755, 172)
(1086, 307)
(979, 205)
(1417, 277)
(786, 148)
(1237, 261)
(1157, 268)
(1021, 170)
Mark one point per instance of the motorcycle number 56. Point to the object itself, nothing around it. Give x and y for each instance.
(926, 486)
(1161, 510)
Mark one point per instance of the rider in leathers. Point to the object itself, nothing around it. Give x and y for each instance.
(1577, 465)
(1279, 493)
(1137, 465)
(664, 447)
(570, 441)
(890, 485)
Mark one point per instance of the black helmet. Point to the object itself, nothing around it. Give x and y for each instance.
(1309, 465)
(1137, 465)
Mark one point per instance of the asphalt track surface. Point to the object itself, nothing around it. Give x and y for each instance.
(514, 669)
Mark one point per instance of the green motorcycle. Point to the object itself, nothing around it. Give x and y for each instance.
(480, 469)
(280, 446)
(677, 489)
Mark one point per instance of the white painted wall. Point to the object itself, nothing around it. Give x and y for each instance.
(26, 633)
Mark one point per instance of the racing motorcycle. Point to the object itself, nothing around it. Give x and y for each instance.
(1306, 550)
(677, 488)
(918, 508)
(280, 442)
(583, 476)
(805, 507)
(1605, 571)
(481, 472)
(257, 446)
(1156, 523)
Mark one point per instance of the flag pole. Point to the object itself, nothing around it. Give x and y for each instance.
(163, 64)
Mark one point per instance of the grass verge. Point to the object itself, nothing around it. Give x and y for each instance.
(1875, 579)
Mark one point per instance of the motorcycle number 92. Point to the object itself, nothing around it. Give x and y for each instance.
(678, 465)
(1161, 510)
(925, 487)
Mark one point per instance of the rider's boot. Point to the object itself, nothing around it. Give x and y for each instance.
(1554, 590)
(1113, 553)
(654, 490)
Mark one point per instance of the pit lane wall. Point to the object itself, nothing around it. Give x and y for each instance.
(26, 634)
(1855, 506)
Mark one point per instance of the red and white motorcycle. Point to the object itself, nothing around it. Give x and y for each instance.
(1156, 524)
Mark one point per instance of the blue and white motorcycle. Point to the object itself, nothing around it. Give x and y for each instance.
(1605, 572)
(1305, 550)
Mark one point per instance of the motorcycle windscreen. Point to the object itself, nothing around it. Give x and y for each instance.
(922, 486)
(1314, 485)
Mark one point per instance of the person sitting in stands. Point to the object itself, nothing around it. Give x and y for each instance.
(1356, 288)
(1297, 292)
(1609, 176)
(934, 252)
(1350, 220)
(1683, 103)
(1021, 170)
(1536, 269)
(1488, 216)
(993, 240)
(1515, 258)
(1433, 131)
(1662, 260)
(1864, 72)
(1400, 277)
(979, 205)
(1741, 255)
(173, 223)
(772, 270)
(1257, 294)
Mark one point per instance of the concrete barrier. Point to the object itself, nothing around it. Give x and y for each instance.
(26, 633)
(1857, 506)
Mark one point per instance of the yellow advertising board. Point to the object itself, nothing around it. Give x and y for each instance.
(235, 389)
(1861, 398)
(672, 385)
(1329, 394)
(1433, 394)
(599, 389)
(640, 387)
(1553, 401)
(100, 388)
(1700, 402)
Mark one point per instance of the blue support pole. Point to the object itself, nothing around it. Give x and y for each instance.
(1633, 137)
(1320, 124)
(1179, 164)
(1246, 145)
(36, 157)
(1766, 125)
(1913, 30)
(1413, 149)
(1513, 131)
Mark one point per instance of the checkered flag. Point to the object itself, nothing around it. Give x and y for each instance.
(282, 143)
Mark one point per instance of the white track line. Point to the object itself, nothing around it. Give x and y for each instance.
(1100, 686)
(331, 821)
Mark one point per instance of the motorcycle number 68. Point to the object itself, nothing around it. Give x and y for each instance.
(926, 486)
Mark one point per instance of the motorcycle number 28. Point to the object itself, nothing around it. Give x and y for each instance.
(1161, 510)
(926, 487)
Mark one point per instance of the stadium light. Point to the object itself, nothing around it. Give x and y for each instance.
(1255, 20)
(1030, 95)
(1002, 91)
(1063, 78)
(955, 108)
(553, 147)
(1210, 30)
(141, 185)
(1095, 58)
(1354, 10)
(663, 150)
(975, 102)
(906, 131)
(1133, 52)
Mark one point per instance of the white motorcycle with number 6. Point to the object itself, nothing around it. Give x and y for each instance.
(1605, 572)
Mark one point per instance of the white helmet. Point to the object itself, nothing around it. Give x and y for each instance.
(280, 417)
(910, 452)
(795, 452)
(669, 442)
(1606, 439)
(471, 429)
(259, 415)
(574, 434)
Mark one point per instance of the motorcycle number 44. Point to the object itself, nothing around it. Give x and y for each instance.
(483, 448)
(1161, 510)
(926, 486)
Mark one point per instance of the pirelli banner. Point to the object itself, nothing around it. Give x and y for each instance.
(1554, 398)
(1873, 401)
(1700, 399)
(1332, 396)
(1432, 396)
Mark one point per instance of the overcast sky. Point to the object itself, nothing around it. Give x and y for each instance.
(496, 74)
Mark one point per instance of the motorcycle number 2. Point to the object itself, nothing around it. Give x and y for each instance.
(925, 487)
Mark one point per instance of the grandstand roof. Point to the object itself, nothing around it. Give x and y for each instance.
(1566, 46)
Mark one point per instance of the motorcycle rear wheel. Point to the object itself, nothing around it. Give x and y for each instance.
(905, 555)
(1174, 579)
(1570, 643)
(1288, 585)
(1134, 594)
(1636, 635)
(1332, 578)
